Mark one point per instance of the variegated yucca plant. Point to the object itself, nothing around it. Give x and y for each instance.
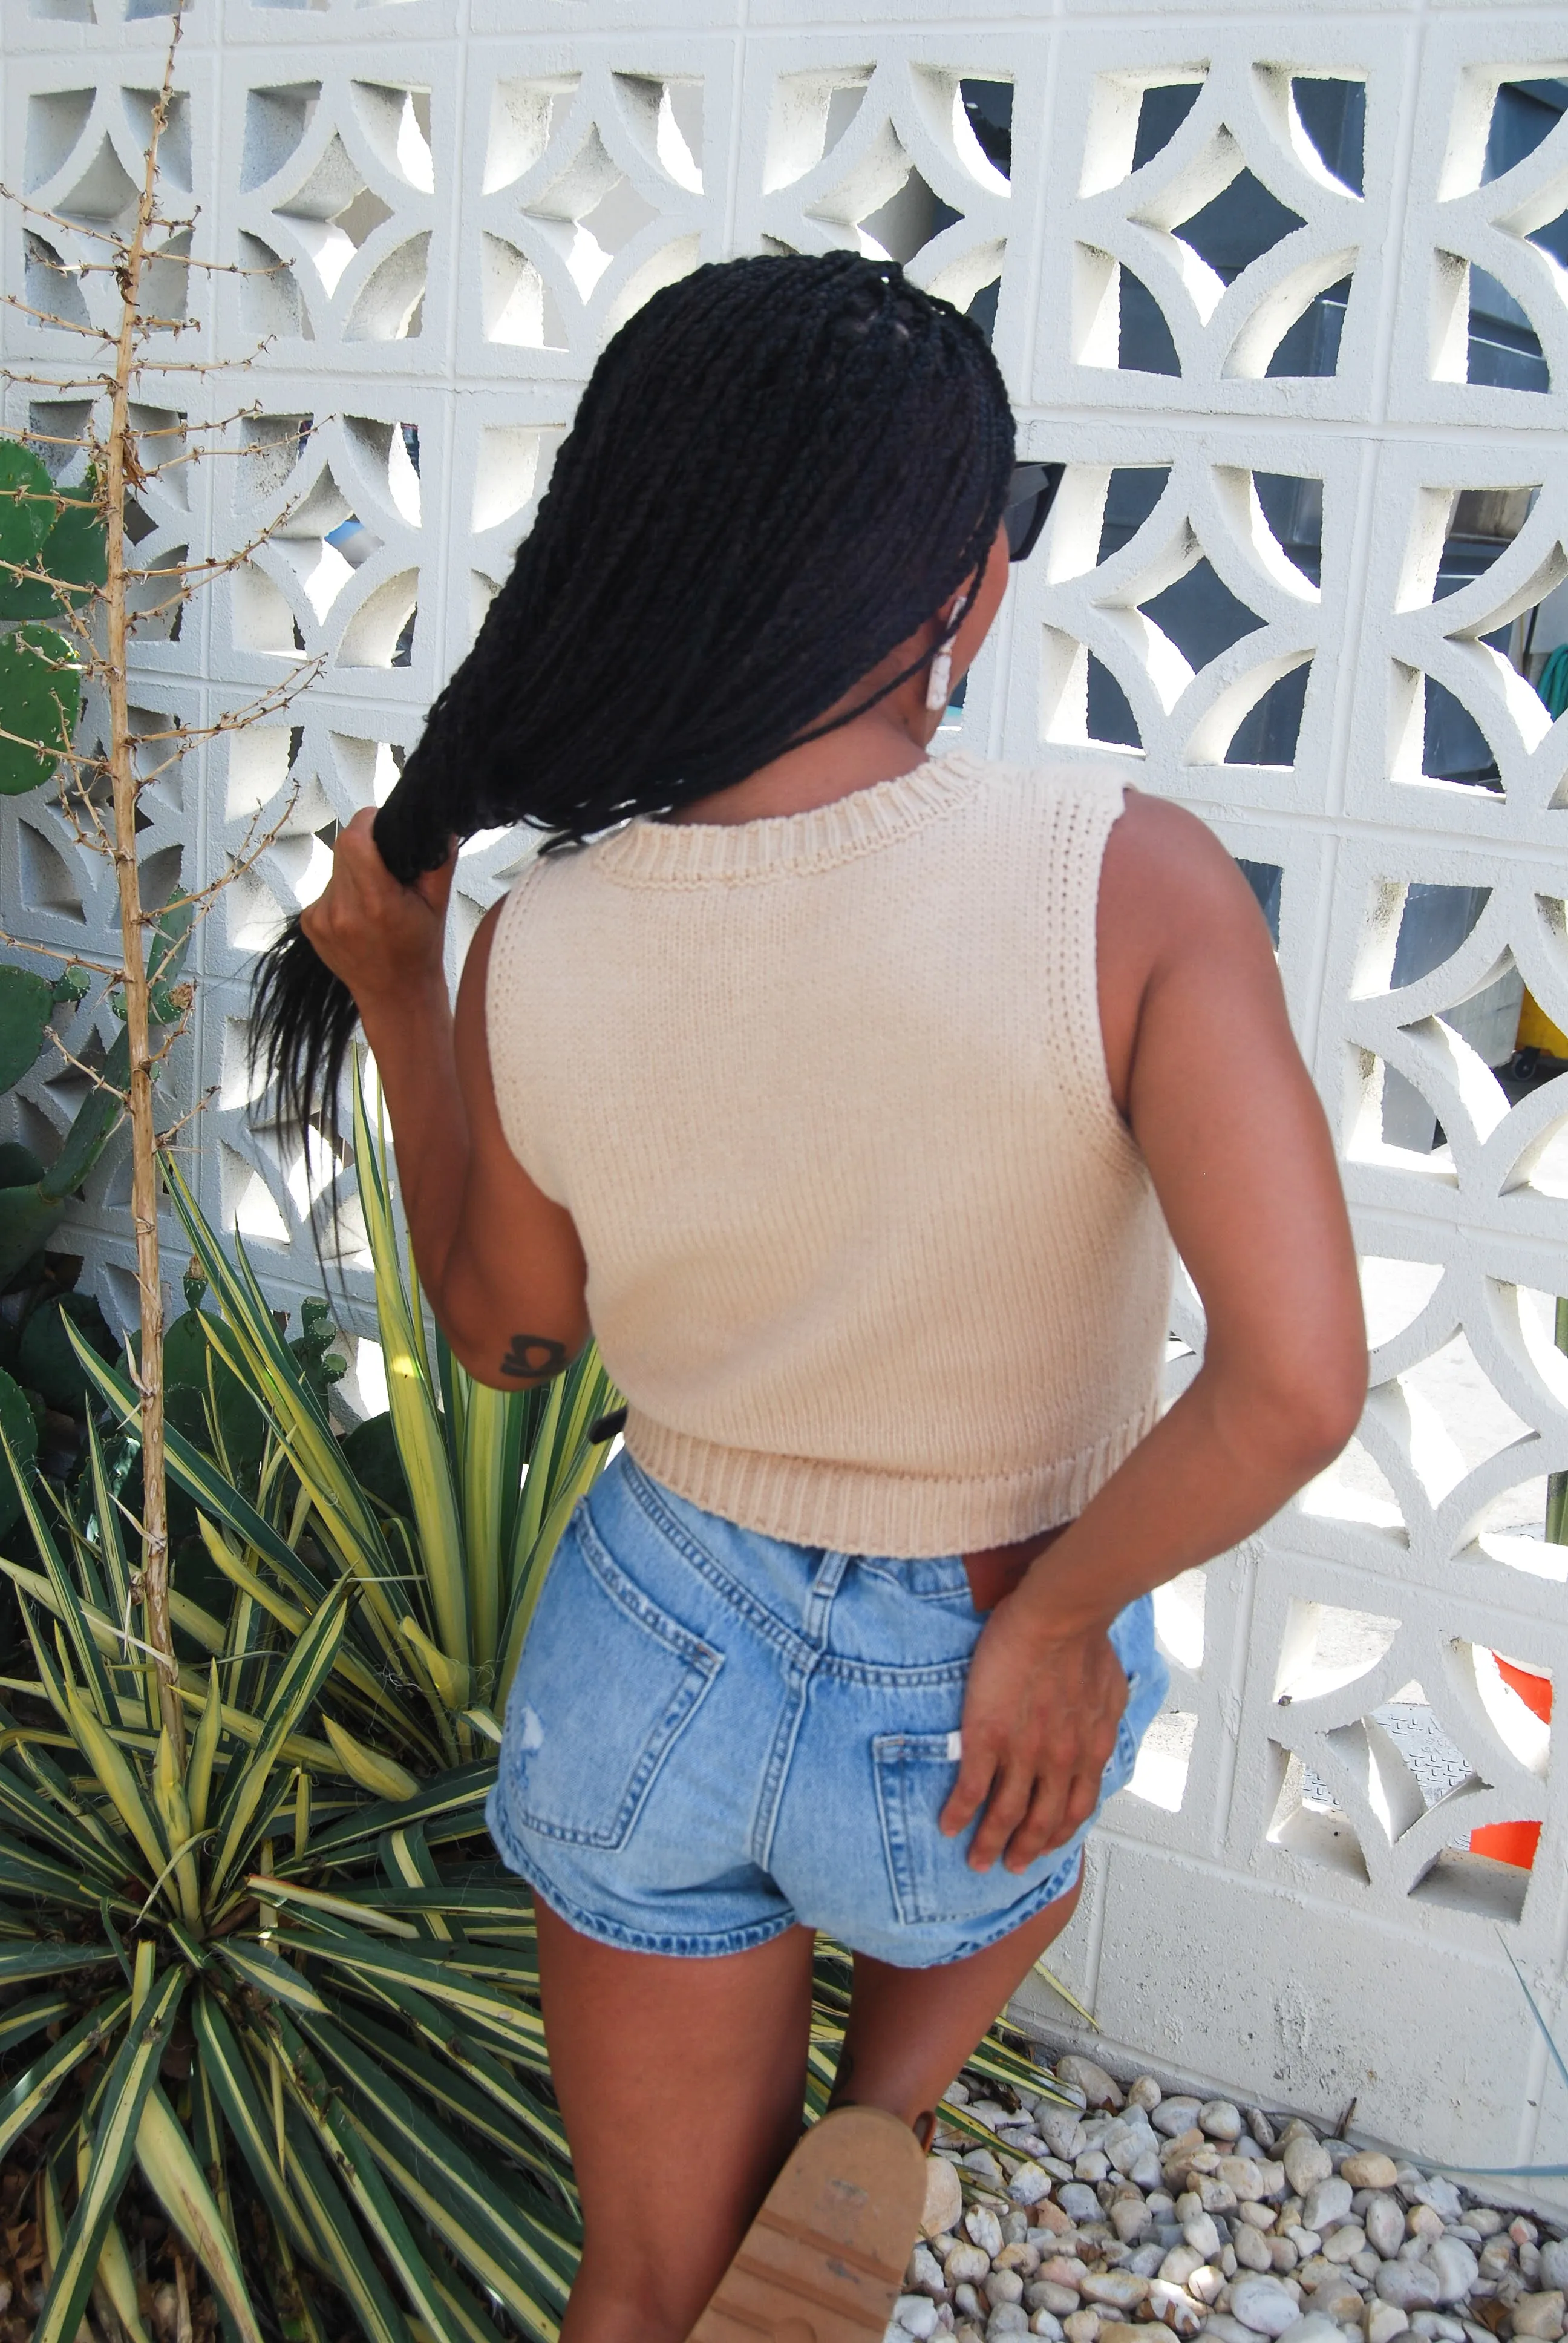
(284, 1973)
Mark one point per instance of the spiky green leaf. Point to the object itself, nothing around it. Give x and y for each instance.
(367, 2191)
(407, 2128)
(164, 2156)
(253, 1965)
(41, 1959)
(453, 1804)
(225, 2068)
(25, 2017)
(307, 1668)
(338, 2245)
(446, 2085)
(479, 2003)
(120, 2105)
(421, 1440)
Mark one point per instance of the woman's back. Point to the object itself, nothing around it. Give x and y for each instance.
(869, 1250)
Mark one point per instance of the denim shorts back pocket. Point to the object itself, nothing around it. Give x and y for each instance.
(930, 1873)
(607, 1683)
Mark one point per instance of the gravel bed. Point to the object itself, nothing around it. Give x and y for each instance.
(1141, 2215)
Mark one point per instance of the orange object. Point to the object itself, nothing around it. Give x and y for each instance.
(1537, 1032)
(1513, 1843)
(1516, 1842)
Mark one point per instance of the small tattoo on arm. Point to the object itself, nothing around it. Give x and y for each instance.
(533, 1359)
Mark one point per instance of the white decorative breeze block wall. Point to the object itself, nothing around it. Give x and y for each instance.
(452, 205)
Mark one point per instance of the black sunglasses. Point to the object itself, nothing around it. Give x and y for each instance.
(1030, 494)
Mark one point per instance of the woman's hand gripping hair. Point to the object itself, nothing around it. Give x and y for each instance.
(384, 941)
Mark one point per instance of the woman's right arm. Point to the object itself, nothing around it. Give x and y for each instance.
(1202, 1061)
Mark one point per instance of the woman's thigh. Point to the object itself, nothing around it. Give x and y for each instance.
(910, 2030)
(682, 2083)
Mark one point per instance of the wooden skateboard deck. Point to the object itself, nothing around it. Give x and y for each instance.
(824, 2260)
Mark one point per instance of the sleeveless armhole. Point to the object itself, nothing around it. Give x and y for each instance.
(506, 996)
(1092, 806)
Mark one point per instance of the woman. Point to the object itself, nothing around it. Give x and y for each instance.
(853, 1097)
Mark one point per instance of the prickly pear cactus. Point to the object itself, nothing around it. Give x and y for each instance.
(51, 558)
(25, 1003)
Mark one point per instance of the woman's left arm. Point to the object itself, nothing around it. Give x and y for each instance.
(499, 1260)
(1201, 1059)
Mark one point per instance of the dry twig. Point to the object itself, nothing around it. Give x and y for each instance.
(126, 451)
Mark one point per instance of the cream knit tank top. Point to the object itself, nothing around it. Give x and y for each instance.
(870, 1252)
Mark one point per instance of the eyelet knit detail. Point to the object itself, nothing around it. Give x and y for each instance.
(870, 1252)
(698, 853)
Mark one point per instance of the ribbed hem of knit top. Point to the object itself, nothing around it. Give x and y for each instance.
(856, 1509)
(696, 853)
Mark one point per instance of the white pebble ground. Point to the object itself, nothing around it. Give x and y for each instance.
(1135, 2216)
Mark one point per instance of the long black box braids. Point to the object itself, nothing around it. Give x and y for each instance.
(778, 470)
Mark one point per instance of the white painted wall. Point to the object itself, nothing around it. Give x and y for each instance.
(421, 173)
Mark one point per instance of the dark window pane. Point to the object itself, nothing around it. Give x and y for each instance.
(1553, 238)
(1333, 115)
(1484, 522)
(1160, 114)
(1433, 924)
(1236, 227)
(1266, 881)
(1144, 345)
(1200, 614)
(1525, 113)
(1454, 747)
(1268, 733)
(1293, 509)
(1134, 491)
(988, 105)
(1504, 350)
(982, 308)
(1311, 345)
(1111, 716)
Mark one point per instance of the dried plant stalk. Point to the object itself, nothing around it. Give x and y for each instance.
(119, 472)
(102, 622)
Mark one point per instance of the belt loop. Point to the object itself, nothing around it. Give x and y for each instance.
(826, 1581)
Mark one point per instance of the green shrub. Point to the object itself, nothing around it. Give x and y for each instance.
(285, 1974)
(304, 1916)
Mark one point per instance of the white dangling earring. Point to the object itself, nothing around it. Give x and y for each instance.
(938, 686)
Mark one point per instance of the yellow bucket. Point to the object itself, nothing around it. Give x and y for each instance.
(1536, 1030)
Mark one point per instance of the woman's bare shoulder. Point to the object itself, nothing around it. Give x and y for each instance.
(1168, 893)
(1167, 881)
(1160, 853)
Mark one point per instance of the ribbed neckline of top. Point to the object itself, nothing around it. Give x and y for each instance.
(688, 853)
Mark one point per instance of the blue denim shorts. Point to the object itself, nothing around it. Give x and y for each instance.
(713, 1736)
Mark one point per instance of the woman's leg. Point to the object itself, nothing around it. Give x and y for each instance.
(682, 2084)
(910, 2030)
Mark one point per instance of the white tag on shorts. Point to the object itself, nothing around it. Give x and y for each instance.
(955, 1747)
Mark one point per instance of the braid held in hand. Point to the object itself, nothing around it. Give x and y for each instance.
(778, 470)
